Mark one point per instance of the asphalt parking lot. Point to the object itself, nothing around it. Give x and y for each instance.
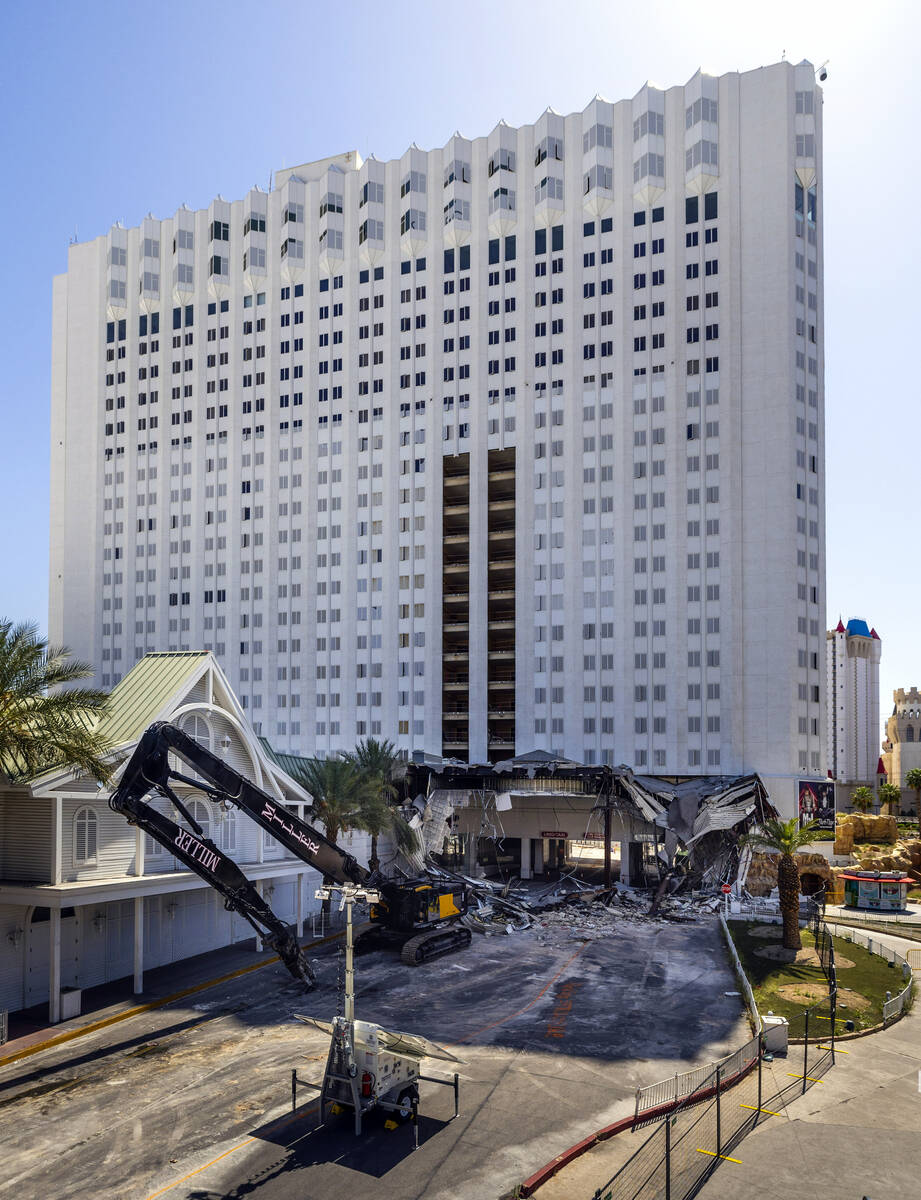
(192, 1101)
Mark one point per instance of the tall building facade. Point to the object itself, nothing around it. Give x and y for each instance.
(852, 656)
(513, 444)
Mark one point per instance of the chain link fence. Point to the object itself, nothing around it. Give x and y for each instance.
(708, 1123)
(712, 1108)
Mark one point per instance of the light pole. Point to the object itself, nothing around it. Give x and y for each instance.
(348, 894)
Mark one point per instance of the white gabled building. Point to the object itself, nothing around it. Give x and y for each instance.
(86, 898)
(513, 443)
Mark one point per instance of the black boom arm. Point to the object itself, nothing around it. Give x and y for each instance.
(148, 771)
(208, 862)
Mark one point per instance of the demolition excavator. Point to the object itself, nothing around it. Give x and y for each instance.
(419, 916)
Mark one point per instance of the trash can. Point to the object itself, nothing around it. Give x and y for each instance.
(775, 1033)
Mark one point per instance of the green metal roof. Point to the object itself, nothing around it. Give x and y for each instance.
(137, 699)
(289, 763)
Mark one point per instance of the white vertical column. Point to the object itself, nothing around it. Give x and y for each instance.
(58, 819)
(300, 906)
(139, 864)
(54, 971)
(138, 944)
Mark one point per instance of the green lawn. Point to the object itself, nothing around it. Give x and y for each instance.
(869, 979)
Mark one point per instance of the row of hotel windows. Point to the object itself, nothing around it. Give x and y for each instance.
(550, 187)
(502, 198)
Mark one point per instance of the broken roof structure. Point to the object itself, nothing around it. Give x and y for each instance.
(706, 814)
(538, 794)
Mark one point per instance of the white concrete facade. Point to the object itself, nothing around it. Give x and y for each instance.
(628, 298)
(852, 657)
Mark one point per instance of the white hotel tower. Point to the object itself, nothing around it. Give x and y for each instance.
(512, 444)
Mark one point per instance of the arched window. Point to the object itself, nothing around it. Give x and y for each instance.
(85, 837)
(909, 733)
(197, 727)
(202, 814)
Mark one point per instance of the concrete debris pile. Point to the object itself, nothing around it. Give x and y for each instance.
(572, 910)
(598, 918)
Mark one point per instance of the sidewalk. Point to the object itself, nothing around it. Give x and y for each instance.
(29, 1029)
(861, 1124)
(859, 1131)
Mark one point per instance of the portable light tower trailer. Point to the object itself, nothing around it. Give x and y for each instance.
(368, 1066)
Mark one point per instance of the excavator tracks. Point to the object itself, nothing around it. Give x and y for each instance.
(425, 946)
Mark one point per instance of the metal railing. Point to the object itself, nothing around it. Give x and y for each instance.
(704, 1128)
(710, 1109)
(680, 1086)
(893, 1008)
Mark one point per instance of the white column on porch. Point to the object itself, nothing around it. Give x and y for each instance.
(300, 905)
(54, 968)
(138, 945)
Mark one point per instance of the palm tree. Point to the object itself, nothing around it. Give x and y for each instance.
(862, 799)
(913, 781)
(340, 795)
(43, 722)
(377, 760)
(785, 838)
(890, 795)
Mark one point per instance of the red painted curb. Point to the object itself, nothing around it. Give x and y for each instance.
(530, 1185)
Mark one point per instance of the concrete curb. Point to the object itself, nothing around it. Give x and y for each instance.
(69, 1035)
(530, 1185)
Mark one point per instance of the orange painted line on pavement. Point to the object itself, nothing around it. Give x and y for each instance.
(530, 1003)
(232, 1150)
(60, 1039)
(192, 1174)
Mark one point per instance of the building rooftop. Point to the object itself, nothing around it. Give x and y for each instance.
(138, 699)
(857, 628)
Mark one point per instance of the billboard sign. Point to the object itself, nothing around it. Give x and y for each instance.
(816, 803)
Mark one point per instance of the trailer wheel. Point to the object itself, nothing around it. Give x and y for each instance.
(405, 1101)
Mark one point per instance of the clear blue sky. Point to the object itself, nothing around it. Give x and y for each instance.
(113, 110)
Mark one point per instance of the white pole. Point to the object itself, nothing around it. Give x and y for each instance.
(138, 945)
(300, 907)
(349, 965)
(54, 972)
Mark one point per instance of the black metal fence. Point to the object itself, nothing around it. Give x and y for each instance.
(685, 1148)
(707, 1125)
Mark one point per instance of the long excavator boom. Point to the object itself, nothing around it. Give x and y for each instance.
(149, 772)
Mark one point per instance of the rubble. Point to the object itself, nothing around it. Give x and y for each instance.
(571, 910)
